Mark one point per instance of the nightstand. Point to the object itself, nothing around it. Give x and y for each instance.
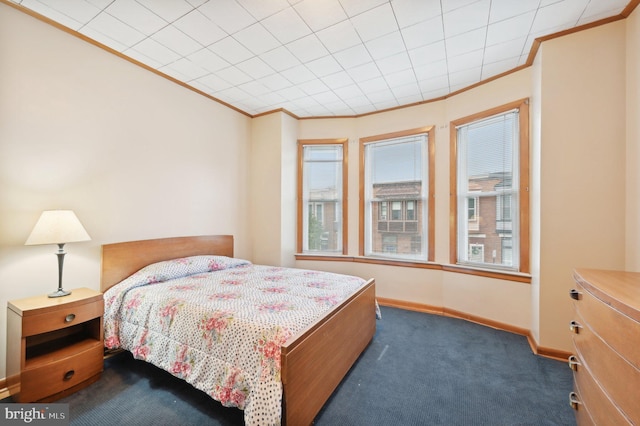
(54, 345)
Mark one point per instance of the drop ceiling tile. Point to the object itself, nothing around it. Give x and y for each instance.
(255, 88)
(71, 15)
(506, 9)
(234, 75)
(562, 14)
(208, 60)
(292, 93)
(449, 5)
(407, 93)
(434, 84)
(280, 59)
(386, 45)
(466, 18)
(213, 82)
(326, 97)
(314, 86)
(395, 63)
(307, 48)
(400, 79)
(200, 28)
(499, 67)
(356, 7)
(349, 92)
(381, 96)
(339, 36)
(176, 40)
(197, 3)
(509, 29)
(263, 8)
(411, 12)
(352, 57)
(338, 79)
(320, 14)
(275, 82)
(171, 72)
(299, 74)
(255, 67)
(375, 23)
(324, 66)
(100, 4)
(286, 26)
(232, 95)
(231, 50)
(187, 68)
(428, 54)
(466, 77)
(364, 72)
(156, 51)
(135, 15)
(466, 42)
(167, 10)
(256, 38)
(423, 33)
(357, 102)
(375, 85)
(502, 51)
(467, 60)
(433, 70)
(113, 29)
(227, 14)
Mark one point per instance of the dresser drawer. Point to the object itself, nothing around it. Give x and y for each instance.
(599, 408)
(61, 318)
(620, 379)
(49, 379)
(618, 330)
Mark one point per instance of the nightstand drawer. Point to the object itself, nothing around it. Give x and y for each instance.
(61, 318)
(45, 380)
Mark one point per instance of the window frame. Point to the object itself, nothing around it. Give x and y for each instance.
(344, 142)
(522, 106)
(430, 219)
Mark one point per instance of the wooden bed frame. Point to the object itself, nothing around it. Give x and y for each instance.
(313, 362)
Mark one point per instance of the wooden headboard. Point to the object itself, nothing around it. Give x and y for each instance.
(119, 260)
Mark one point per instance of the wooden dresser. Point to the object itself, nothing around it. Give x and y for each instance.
(606, 338)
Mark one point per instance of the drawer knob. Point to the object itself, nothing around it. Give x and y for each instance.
(69, 374)
(69, 317)
(574, 401)
(575, 327)
(575, 294)
(574, 363)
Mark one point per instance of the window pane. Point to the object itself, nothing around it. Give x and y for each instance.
(395, 200)
(487, 191)
(322, 196)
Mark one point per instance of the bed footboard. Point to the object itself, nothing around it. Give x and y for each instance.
(315, 362)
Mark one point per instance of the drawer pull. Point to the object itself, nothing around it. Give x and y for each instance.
(575, 294)
(69, 317)
(69, 374)
(574, 401)
(575, 327)
(574, 363)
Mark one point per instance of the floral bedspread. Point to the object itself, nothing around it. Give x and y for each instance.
(218, 323)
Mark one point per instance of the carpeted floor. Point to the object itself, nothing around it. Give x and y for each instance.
(420, 369)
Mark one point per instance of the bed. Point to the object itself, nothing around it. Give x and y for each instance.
(314, 357)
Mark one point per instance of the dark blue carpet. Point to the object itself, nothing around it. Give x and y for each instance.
(420, 369)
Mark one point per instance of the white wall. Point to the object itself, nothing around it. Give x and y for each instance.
(135, 155)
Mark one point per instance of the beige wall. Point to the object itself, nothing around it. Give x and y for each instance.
(135, 155)
(633, 142)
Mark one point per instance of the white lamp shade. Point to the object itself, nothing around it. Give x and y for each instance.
(57, 227)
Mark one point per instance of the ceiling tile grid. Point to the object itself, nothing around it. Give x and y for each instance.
(324, 58)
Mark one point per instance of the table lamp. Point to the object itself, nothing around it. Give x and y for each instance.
(58, 227)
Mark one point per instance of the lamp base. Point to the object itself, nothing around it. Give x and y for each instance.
(59, 293)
